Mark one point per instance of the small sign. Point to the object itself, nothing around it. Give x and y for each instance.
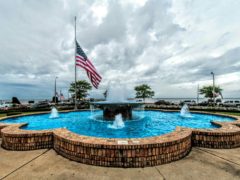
(122, 142)
(135, 142)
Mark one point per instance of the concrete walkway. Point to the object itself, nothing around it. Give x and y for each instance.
(201, 163)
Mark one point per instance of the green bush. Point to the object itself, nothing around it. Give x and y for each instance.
(13, 113)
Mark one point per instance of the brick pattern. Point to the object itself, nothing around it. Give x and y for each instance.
(226, 137)
(134, 152)
(1, 127)
(216, 140)
(16, 139)
(104, 153)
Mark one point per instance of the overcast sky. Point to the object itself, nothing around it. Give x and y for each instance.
(170, 45)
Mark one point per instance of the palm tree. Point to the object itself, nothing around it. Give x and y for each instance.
(208, 91)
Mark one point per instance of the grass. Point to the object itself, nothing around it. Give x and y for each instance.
(2, 115)
(231, 113)
(30, 112)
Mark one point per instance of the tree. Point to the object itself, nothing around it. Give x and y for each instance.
(144, 91)
(82, 88)
(208, 91)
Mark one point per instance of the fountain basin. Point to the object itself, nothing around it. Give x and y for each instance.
(120, 152)
(111, 109)
(153, 123)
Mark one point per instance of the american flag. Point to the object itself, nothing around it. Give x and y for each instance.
(61, 96)
(83, 61)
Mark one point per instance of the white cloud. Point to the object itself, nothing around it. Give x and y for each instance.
(171, 45)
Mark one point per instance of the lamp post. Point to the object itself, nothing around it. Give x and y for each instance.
(55, 90)
(198, 94)
(213, 87)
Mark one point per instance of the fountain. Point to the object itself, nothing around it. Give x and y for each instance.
(114, 144)
(117, 123)
(185, 111)
(54, 113)
(117, 103)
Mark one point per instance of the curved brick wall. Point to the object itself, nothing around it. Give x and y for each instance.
(228, 136)
(1, 127)
(131, 153)
(135, 152)
(14, 138)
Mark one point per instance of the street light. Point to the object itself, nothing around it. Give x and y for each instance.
(198, 94)
(213, 86)
(55, 90)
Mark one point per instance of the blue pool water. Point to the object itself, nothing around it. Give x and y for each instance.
(150, 123)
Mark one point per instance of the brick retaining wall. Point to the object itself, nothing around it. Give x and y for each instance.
(216, 140)
(226, 137)
(101, 152)
(14, 138)
(1, 127)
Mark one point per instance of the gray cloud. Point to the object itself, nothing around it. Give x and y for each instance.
(225, 64)
(170, 45)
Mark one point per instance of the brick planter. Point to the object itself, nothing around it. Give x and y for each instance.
(133, 152)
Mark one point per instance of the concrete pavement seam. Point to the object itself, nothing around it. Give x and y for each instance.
(217, 156)
(160, 173)
(24, 164)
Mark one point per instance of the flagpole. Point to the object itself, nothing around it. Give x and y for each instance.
(198, 94)
(75, 40)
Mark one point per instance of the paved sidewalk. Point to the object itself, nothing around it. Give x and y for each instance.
(201, 163)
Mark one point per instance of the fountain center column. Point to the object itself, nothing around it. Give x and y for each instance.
(109, 112)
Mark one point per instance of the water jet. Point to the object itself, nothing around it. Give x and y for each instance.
(54, 113)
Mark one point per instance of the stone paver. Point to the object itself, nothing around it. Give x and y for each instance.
(53, 166)
(201, 163)
(11, 160)
(229, 154)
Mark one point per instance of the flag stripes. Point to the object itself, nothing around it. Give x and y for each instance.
(83, 62)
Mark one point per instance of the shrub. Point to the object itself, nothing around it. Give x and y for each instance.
(13, 113)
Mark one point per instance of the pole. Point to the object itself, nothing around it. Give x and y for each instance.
(75, 40)
(198, 94)
(55, 90)
(213, 87)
